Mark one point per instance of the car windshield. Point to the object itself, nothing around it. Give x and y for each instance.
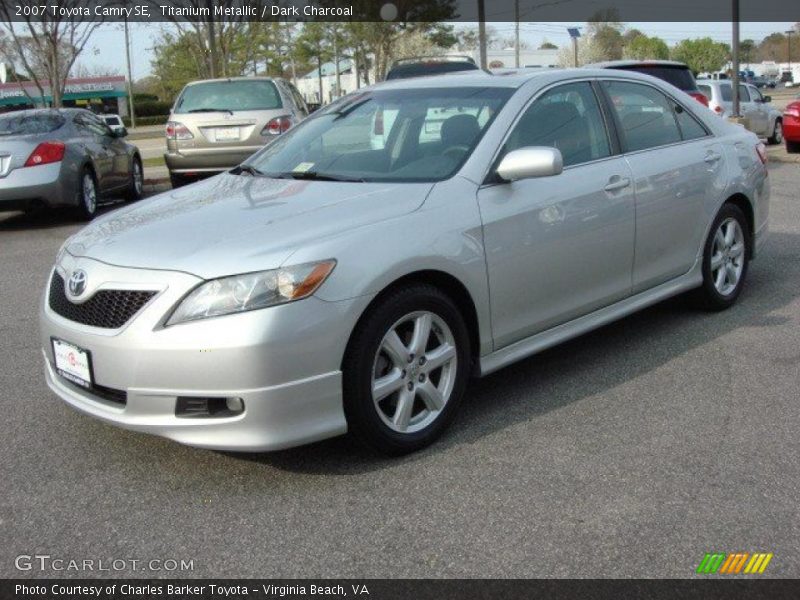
(30, 123)
(229, 95)
(385, 135)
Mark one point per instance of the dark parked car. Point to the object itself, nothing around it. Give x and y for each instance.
(64, 157)
(420, 66)
(676, 73)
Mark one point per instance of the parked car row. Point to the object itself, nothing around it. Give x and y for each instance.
(334, 282)
(64, 157)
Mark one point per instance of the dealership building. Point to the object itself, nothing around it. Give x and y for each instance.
(102, 94)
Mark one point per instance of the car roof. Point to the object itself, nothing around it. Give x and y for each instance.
(511, 78)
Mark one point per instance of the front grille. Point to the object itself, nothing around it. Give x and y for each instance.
(109, 309)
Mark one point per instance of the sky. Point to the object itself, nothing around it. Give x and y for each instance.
(106, 49)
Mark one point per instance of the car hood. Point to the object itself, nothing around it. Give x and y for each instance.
(237, 223)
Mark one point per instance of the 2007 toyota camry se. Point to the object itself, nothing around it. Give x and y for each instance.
(353, 274)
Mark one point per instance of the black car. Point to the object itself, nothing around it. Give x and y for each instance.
(420, 66)
(676, 73)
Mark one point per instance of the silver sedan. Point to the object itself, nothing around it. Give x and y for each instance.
(68, 157)
(355, 273)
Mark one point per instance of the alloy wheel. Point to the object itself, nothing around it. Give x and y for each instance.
(138, 183)
(727, 256)
(89, 193)
(414, 372)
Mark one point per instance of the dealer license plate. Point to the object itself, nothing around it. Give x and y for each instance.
(73, 363)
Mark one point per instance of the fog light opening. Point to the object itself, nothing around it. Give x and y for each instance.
(201, 407)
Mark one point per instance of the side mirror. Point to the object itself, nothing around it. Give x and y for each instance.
(532, 161)
(119, 133)
(767, 99)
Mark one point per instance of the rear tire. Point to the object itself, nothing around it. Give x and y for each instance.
(177, 180)
(792, 146)
(136, 184)
(726, 258)
(777, 133)
(87, 195)
(405, 370)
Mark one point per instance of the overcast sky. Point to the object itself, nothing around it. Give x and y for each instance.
(107, 46)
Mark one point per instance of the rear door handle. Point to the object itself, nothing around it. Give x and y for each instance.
(712, 157)
(617, 183)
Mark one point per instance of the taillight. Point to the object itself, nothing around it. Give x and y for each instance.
(791, 111)
(178, 131)
(277, 126)
(761, 150)
(701, 98)
(46, 153)
(718, 109)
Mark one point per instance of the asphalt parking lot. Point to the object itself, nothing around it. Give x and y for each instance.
(630, 452)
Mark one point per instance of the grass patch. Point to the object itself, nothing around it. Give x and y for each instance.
(155, 161)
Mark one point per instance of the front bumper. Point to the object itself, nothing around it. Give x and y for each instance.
(43, 185)
(283, 362)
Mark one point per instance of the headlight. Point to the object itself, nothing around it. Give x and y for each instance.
(251, 291)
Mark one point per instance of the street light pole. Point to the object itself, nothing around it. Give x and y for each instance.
(130, 76)
(735, 59)
(789, 34)
(574, 34)
(482, 32)
(516, 34)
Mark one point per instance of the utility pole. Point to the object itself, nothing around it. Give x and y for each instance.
(789, 34)
(516, 34)
(336, 60)
(574, 34)
(482, 32)
(130, 76)
(735, 59)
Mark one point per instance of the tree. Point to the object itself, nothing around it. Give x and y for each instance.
(545, 45)
(313, 46)
(605, 30)
(44, 48)
(746, 50)
(643, 47)
(702, 55)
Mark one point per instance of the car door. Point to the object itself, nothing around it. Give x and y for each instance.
(677, 165)
(118, 151)
(559, 247)
(98, 145)
(759, 124)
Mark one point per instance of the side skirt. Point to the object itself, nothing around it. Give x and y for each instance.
(561, 333)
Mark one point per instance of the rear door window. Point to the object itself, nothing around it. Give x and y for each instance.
(644, 114)
(234, 95)
(30, 123)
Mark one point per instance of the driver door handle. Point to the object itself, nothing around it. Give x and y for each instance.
(617, 183)
(712, 157)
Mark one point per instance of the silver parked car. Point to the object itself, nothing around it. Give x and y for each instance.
(217, 123)
(762, 118)
(327, 285)
(66, 157)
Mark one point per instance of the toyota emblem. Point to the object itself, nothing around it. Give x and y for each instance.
(77, 282)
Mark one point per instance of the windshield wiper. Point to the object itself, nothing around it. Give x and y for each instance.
(314, 175)
(199, 110)
(249, 169)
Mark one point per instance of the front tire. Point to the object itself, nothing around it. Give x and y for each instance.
(725, 259)
(177, 180)
(405, 370)
(792, 146)
(87, 195)
(777, 133)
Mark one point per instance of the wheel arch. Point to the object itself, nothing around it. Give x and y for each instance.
(746, 206)
(449, 285)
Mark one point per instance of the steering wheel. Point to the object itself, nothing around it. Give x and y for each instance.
(456, 151)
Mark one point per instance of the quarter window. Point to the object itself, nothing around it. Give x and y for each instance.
(691, 129)
(567, 117)
(644, 114)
